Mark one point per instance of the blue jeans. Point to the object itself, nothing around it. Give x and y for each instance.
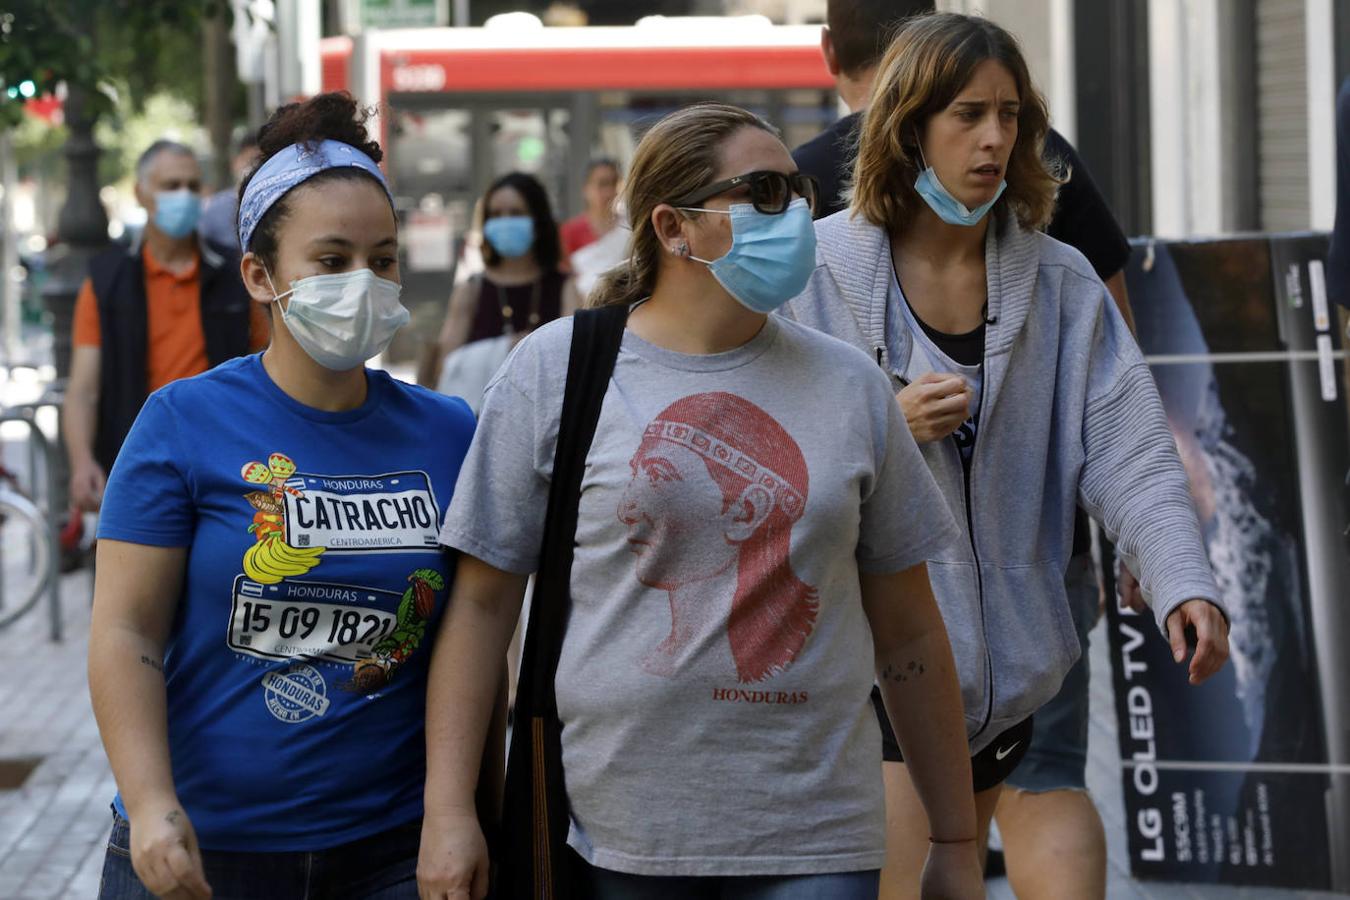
(606, 885)
(1057, 758)
(380, 867)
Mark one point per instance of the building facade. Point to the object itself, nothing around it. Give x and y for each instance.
(1197, 117)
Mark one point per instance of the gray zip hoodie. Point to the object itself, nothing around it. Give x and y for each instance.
(1068, 414)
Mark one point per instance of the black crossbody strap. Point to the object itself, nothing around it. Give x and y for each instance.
(534, 862)
(596, 335)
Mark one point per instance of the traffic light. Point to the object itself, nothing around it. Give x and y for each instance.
(26, 89)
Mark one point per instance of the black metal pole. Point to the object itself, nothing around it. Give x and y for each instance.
(82, 232)
(82, 226)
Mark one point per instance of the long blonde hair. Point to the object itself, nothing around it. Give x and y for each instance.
(677, 156)
(930, 61)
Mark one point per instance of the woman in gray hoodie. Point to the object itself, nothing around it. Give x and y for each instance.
(1018, 378)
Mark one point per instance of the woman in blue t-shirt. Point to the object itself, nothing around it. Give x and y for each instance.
(269, 577)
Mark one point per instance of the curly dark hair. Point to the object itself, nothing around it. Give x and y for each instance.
(547, 247)
(334, 116)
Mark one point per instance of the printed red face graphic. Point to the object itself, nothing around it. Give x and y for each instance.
(716, 487)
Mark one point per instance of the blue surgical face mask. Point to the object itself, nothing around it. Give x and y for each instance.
(510, 235)
(947, 207)
(771, 256)
(176, 212)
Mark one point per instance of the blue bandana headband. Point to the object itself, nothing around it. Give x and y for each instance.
(289, 167)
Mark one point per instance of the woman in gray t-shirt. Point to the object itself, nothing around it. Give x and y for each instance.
(749, 547)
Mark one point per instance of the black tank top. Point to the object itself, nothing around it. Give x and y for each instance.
(523, 306)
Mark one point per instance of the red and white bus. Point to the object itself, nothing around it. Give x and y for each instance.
(460, 106)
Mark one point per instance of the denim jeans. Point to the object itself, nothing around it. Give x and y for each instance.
(380, 867)
(602, 884)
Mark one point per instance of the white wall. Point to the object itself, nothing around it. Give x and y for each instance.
(1191, 164)
(1198, 185)
(1321, 49)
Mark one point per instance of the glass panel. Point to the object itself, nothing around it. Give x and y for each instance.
(430, 160)
(430, 151)
(799, 115)
(519, 141)
(534, 141)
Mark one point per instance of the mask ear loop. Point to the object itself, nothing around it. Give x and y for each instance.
(683, 246)
(275, 296)
(918, 145)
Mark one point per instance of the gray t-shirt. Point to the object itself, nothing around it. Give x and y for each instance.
(714, 680)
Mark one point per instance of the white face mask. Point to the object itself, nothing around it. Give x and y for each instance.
(342, 320)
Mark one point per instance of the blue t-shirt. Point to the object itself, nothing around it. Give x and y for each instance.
(296, 668)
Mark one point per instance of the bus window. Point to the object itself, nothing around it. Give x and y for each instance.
(535, 141)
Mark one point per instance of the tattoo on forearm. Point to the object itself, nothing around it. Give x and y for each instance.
(153, 663)
(900, 674)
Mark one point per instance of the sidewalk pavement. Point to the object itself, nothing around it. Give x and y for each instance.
(53, 828)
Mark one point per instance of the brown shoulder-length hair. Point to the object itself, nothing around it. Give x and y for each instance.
(678, 155)
(930, 61)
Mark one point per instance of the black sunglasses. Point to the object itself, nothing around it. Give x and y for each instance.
(770, 192)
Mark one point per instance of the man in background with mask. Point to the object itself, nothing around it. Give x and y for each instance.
(168, 307)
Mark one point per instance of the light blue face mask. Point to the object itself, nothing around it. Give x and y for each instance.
(947, 207)
(510, 235)
(177, 212)
(771, 256)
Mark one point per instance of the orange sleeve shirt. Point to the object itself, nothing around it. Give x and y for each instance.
(176, 346)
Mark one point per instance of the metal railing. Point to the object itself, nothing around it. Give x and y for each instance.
(39, 513)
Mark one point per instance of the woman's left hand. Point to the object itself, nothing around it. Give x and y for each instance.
(1211, 635)
(953, 872)
(452, 860)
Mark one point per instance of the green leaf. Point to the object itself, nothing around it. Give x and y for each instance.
(431, 577)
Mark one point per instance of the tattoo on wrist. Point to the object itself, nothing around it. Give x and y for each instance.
(173, 816)
(900, 674)
(153, 663)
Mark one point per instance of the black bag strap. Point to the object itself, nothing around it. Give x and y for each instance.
(596, 335)
(534, 853)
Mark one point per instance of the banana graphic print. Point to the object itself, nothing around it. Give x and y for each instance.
(272, 559)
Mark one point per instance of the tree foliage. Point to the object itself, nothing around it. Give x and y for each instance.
(102, 46)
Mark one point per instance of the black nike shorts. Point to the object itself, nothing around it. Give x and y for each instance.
(989, 767)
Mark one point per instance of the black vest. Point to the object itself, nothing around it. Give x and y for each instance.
(118, 278)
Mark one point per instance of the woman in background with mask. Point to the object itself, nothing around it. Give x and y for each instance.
(1018, 378)
(751, 525)
(522, 285)
(599, 190)
(269, 580)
